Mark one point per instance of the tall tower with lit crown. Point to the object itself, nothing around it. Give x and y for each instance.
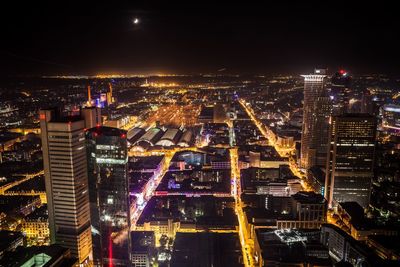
(316, 113)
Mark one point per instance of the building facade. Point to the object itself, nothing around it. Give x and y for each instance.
(36, 226)
(108, 191)
(65, 170)
(391, 118)
(340, 92)
(316, 113)
(350, 160)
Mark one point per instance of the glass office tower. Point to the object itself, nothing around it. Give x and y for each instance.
(350, 163)
(108, 194)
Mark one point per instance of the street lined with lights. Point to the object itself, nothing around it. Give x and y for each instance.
(282, 152)
(245, 241)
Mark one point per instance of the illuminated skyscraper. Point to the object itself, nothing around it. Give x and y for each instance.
(391, 118)
(350, 160)
(108, 193)
(340, 92)
(316, 113)
(65, 169)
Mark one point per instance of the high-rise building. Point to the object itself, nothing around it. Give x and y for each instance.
(340, 92)
(108, 193)
(65, 170)
(316, 113)
(367, 103)
(92, 116)
(391, 118)
(350, 160)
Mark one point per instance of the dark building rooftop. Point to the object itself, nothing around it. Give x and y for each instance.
(142, 241)
(206, 113)
(206, 212)
(36, 184)
(8, 136)
(266, 152)
(356, 213)
(55, 255)
(353, 209)
(109, 131)
(9, 204)
(292, 247)
(7, 238)
(65, 119)
(252, 177)
(206, 249)
(318, 174)
(144, 163)
(308, 197)
(200, 158)
(196, 181)
(39, 214)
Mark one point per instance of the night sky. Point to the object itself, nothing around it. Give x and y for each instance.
(206, 38)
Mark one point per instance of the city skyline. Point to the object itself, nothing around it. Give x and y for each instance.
(145, 171)
(162, 135)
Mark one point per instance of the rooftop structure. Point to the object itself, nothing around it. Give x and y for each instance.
(134, 134)
(150, 138)
(170, 137)
(211, 157)
(206, 249)
(186, 139)
(260, 157)
(145, 164)
(45, 256)
(304, 210)
(142, 248)
(269, 181)
(195, 182)
(291, 248)
(180, 212)
(19, 205)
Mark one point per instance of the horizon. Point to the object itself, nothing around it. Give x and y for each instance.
(136, 38)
